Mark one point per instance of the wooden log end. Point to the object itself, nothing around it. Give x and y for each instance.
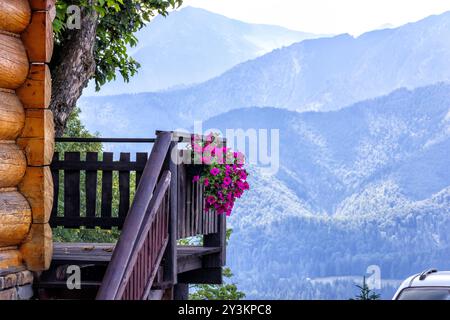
(46, 5)
(38, 38)
(38, 137)
(37, 249)
(39, 151)
(37, 187)
(36, 92)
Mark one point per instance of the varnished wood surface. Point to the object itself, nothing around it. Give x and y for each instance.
(36, 91)
(37, 248)
(12, 165)
(15, 218)
(14, 15)
(12, 115)
(38, 37)
(37, 187)
(14, 63)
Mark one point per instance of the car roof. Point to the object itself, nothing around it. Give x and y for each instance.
(435, 279)
(429, 278)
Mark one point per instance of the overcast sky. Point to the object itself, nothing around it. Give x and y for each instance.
(326, 16)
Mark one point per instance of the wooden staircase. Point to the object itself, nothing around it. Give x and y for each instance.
(146, 263)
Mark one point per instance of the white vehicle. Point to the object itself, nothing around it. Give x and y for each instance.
(428, 285)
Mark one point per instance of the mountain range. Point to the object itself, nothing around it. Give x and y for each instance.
(365, 185)
(313, 75)
(193, 45)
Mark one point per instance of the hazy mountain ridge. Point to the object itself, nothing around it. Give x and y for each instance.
(193, 45)
(320, 74)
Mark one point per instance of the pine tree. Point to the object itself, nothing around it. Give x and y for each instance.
(366, 293)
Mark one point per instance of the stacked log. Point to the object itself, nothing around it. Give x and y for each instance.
(26, 134)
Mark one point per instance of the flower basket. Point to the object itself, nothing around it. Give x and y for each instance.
(221, 173)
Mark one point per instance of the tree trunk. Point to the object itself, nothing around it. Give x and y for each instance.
(72, 67)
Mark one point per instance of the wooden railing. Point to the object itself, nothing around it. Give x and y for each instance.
(167, 206)
(149, 249)
(116, 279)
(83, 192)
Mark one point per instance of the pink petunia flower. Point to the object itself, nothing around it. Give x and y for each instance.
(211, 200)
(215, 171)
(227, 181)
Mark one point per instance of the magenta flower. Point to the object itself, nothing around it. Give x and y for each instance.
(227, 181)
(215, 171)
(206, 182)
(240, 185)
(243, 175)
(211, 200)
(196, 179)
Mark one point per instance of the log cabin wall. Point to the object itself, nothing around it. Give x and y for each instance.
(26, 143)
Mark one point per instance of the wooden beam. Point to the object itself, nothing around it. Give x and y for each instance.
(14, 63)
(202, 276)
(38, 137)
(217, 240)
(38, 37)
(170, 267)
(181, 292)
(15, 218)
(46, 5)
(37, 249)
(36, 92)
(37, 187)
(38, 124)
(12, 165)
(10, 257)
(14, 15)
(12, 115)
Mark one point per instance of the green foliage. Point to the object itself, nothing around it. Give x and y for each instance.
(227, 291)
(118, 21)
(85, 235)
(218, 292)
(76, 129)
(366, 293)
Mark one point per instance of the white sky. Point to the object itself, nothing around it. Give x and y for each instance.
(326, 16)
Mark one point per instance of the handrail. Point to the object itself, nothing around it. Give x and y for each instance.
(155, 205)
(129, 237)
(105, 140)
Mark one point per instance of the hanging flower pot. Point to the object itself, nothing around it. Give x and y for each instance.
(222, 174)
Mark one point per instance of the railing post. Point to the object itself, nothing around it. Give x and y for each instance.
(218, 240)
(170, 267)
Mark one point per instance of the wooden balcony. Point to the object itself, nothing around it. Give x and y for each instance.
(147, 262)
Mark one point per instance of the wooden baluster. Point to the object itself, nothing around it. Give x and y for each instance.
(141, 158)
(72, 187)
(55, 176)
(107, 184)
(124, 187)
(91, 186)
